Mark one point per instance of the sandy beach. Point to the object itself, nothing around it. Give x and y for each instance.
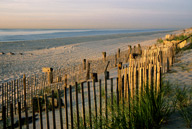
(68, 52)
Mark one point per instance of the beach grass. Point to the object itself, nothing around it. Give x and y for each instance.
(150, 112)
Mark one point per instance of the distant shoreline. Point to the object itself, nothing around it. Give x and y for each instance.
(56, 42)
(30, 35)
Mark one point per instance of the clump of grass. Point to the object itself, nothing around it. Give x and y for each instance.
(153, 110)
(178, 37)
(159, 40)
(184, 104)
(150, 112)
(186, 114)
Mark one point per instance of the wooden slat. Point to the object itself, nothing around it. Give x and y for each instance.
(46, 112)
(33, 113)
(112, 97)
(12, 116)
(71, 105)
(95, 99)
(60, 110)
(83, 105)
(66, 110)
(53, 110)
(26, 114)
(89, 103)
(105, 85)
(100, 103)
(77, 104)
(19, 115)
(40, 113)
(4, 117)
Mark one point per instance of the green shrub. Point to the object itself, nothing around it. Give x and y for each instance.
(159, 40)
(179, 37)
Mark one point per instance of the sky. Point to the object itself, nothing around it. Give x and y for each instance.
(121, 14)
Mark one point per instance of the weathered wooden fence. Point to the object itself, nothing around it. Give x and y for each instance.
(22, 99)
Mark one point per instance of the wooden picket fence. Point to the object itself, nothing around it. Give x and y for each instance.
(93, 102)
(26, 88)
(23, 99)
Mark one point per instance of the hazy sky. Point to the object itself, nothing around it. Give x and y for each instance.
(95, 13)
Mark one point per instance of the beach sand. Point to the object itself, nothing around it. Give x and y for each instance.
(30, 62)
(180, 76)
(181, 71)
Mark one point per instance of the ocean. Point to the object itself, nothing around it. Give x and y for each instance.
(7, 35)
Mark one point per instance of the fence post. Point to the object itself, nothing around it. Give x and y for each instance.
(139, 51)
(118, 53)
(104, 56)
(115, 60)
(129, 49)
(65, 80)
(49, 72)
(168, 64)
(88, 71)
(84, 64)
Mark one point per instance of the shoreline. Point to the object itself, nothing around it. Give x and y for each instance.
(60, 35)
(72, 40)
(31, 62)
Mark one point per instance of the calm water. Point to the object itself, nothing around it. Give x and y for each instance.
(21, 40)
(7, 35)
